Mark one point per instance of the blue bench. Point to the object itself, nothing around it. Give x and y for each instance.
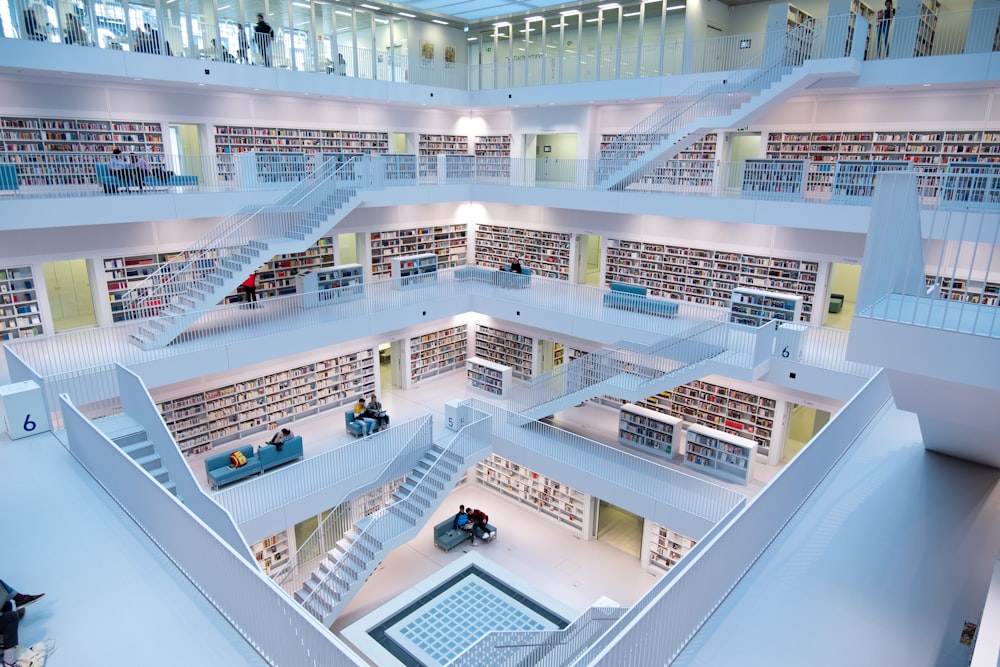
(8, 177)
(112, 183)
(508, 279)
(219, 471)
(632, 298)
(503, 278)
(354, 426)
(479, 273)
(270, 457)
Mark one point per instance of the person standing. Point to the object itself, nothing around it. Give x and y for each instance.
(243, 45)
(264, 36)
(250, 290)
(884, 23)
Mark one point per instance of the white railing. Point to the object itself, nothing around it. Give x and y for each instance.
(658, 627)
(256, 608)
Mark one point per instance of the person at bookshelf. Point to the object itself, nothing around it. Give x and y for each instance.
(515, 265)
(884, 23)
(249, 287)
(368, 424)
(374, 411)
(461, 519)
(124, 171)
(280, 437)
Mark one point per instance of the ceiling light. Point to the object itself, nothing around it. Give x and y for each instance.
(526, 30)
(559, 25)
(593, 20)
(371, 7)
(674, 9)
(439, 22)
(306, 22)
(501, 24)
(409, 16)
(610, 5)
(631, 14)
(300, 4)
(224, 7)
(529, 19)
(471, 39)
(342, 12)
(569, 12)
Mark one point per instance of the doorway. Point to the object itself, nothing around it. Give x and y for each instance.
(839, 308)
(619, 528)
(588, 260)
(403, 142)
(187, 154)
(67, 285)
(385, 366)
(803, 425)
(349, 248)
(555, 156)
(396, 361)
(742, 147)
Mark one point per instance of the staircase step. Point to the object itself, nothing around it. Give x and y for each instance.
(137, 449)
(170, 487)
(148, 462)
(160, 474)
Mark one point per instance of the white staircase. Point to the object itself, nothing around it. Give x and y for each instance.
(131, 439)
(181, 291)
(627, 371)
(348, 565)
(728, 104)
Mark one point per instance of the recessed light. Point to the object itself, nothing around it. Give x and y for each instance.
(201, 84)
(471, 39)
(300, 4)
(342, 12)
(501, 24)
(529, 19)
(371, 7)
(609, 5)
(927, 85)
(409, 16)
(569, 12)
(630, 14)
(439, 22)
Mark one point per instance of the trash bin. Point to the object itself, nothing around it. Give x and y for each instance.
(836, 303)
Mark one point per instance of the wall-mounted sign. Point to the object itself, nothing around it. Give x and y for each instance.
(744, 43)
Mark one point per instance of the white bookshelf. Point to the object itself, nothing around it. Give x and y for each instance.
(855, 179)
(734, 411)
(437, 352)
(400, 168)
(926, 28)
(547, 254)
(569, 506)
(274, 554)
(986, 292)
(263, 168)
(693, 168)
(488, 377)
(507, 349)
(720, 454)
(664, 547)
(20, 316)
(410, 271)
(493, 156)
(335, 284)
(234, 411)
(435, 144)
(971, 185)
(700, 275)
(448, 242)
(754, 307)
(774, 178)
(649, 430)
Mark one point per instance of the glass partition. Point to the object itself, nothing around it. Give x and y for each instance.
(589, 45)
(609, 29)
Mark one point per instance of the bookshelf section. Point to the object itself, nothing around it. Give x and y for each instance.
(971, 185)
(729, 410)
(649, 430)
(493, 156)
(774, 179)
(20, 316)
(926, 28)
(720, 454)
(202, 420)
(488, 377)
(273, 554)
(231, 139)
(437, 352)
(707, 276)
(256, 168)
(756, 307)
(547, 254)
(507, 349)
(412, 271)
(854, 180)
(448, 242)
(336, 284)
(692, 169)
(665, 547)
(436, 144)
(959, 289)
(63, 151)
(569, 506)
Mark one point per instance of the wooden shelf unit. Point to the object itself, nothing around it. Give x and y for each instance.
(731, 410)
(706, 276)
(754, 307)
(507, 349)
(230, 139)
(665, 547)
(448, 242)
(237, 410)
(649, 430)
(488, 377)
(558, 501)
(547, 254)
(437, 352)
(20, 316)
(335, 284)
(720, 454)
(63, 151)
(273, 554)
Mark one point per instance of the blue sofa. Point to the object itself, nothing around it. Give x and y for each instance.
(520, 280)
(270, 457)
(112, 183)
(447, 538)
(479, 273)
(354, 427)
(633, 299)
(219, 472)
(494, 277)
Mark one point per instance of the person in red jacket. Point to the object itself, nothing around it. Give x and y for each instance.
(250, 290)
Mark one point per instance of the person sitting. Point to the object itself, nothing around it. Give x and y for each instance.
(280, 437)
(12, 606)
(374, 411)
(124, 171)
(145, 169)
(515, 265)
(461, 519)
(479, 519)
(367, 423)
